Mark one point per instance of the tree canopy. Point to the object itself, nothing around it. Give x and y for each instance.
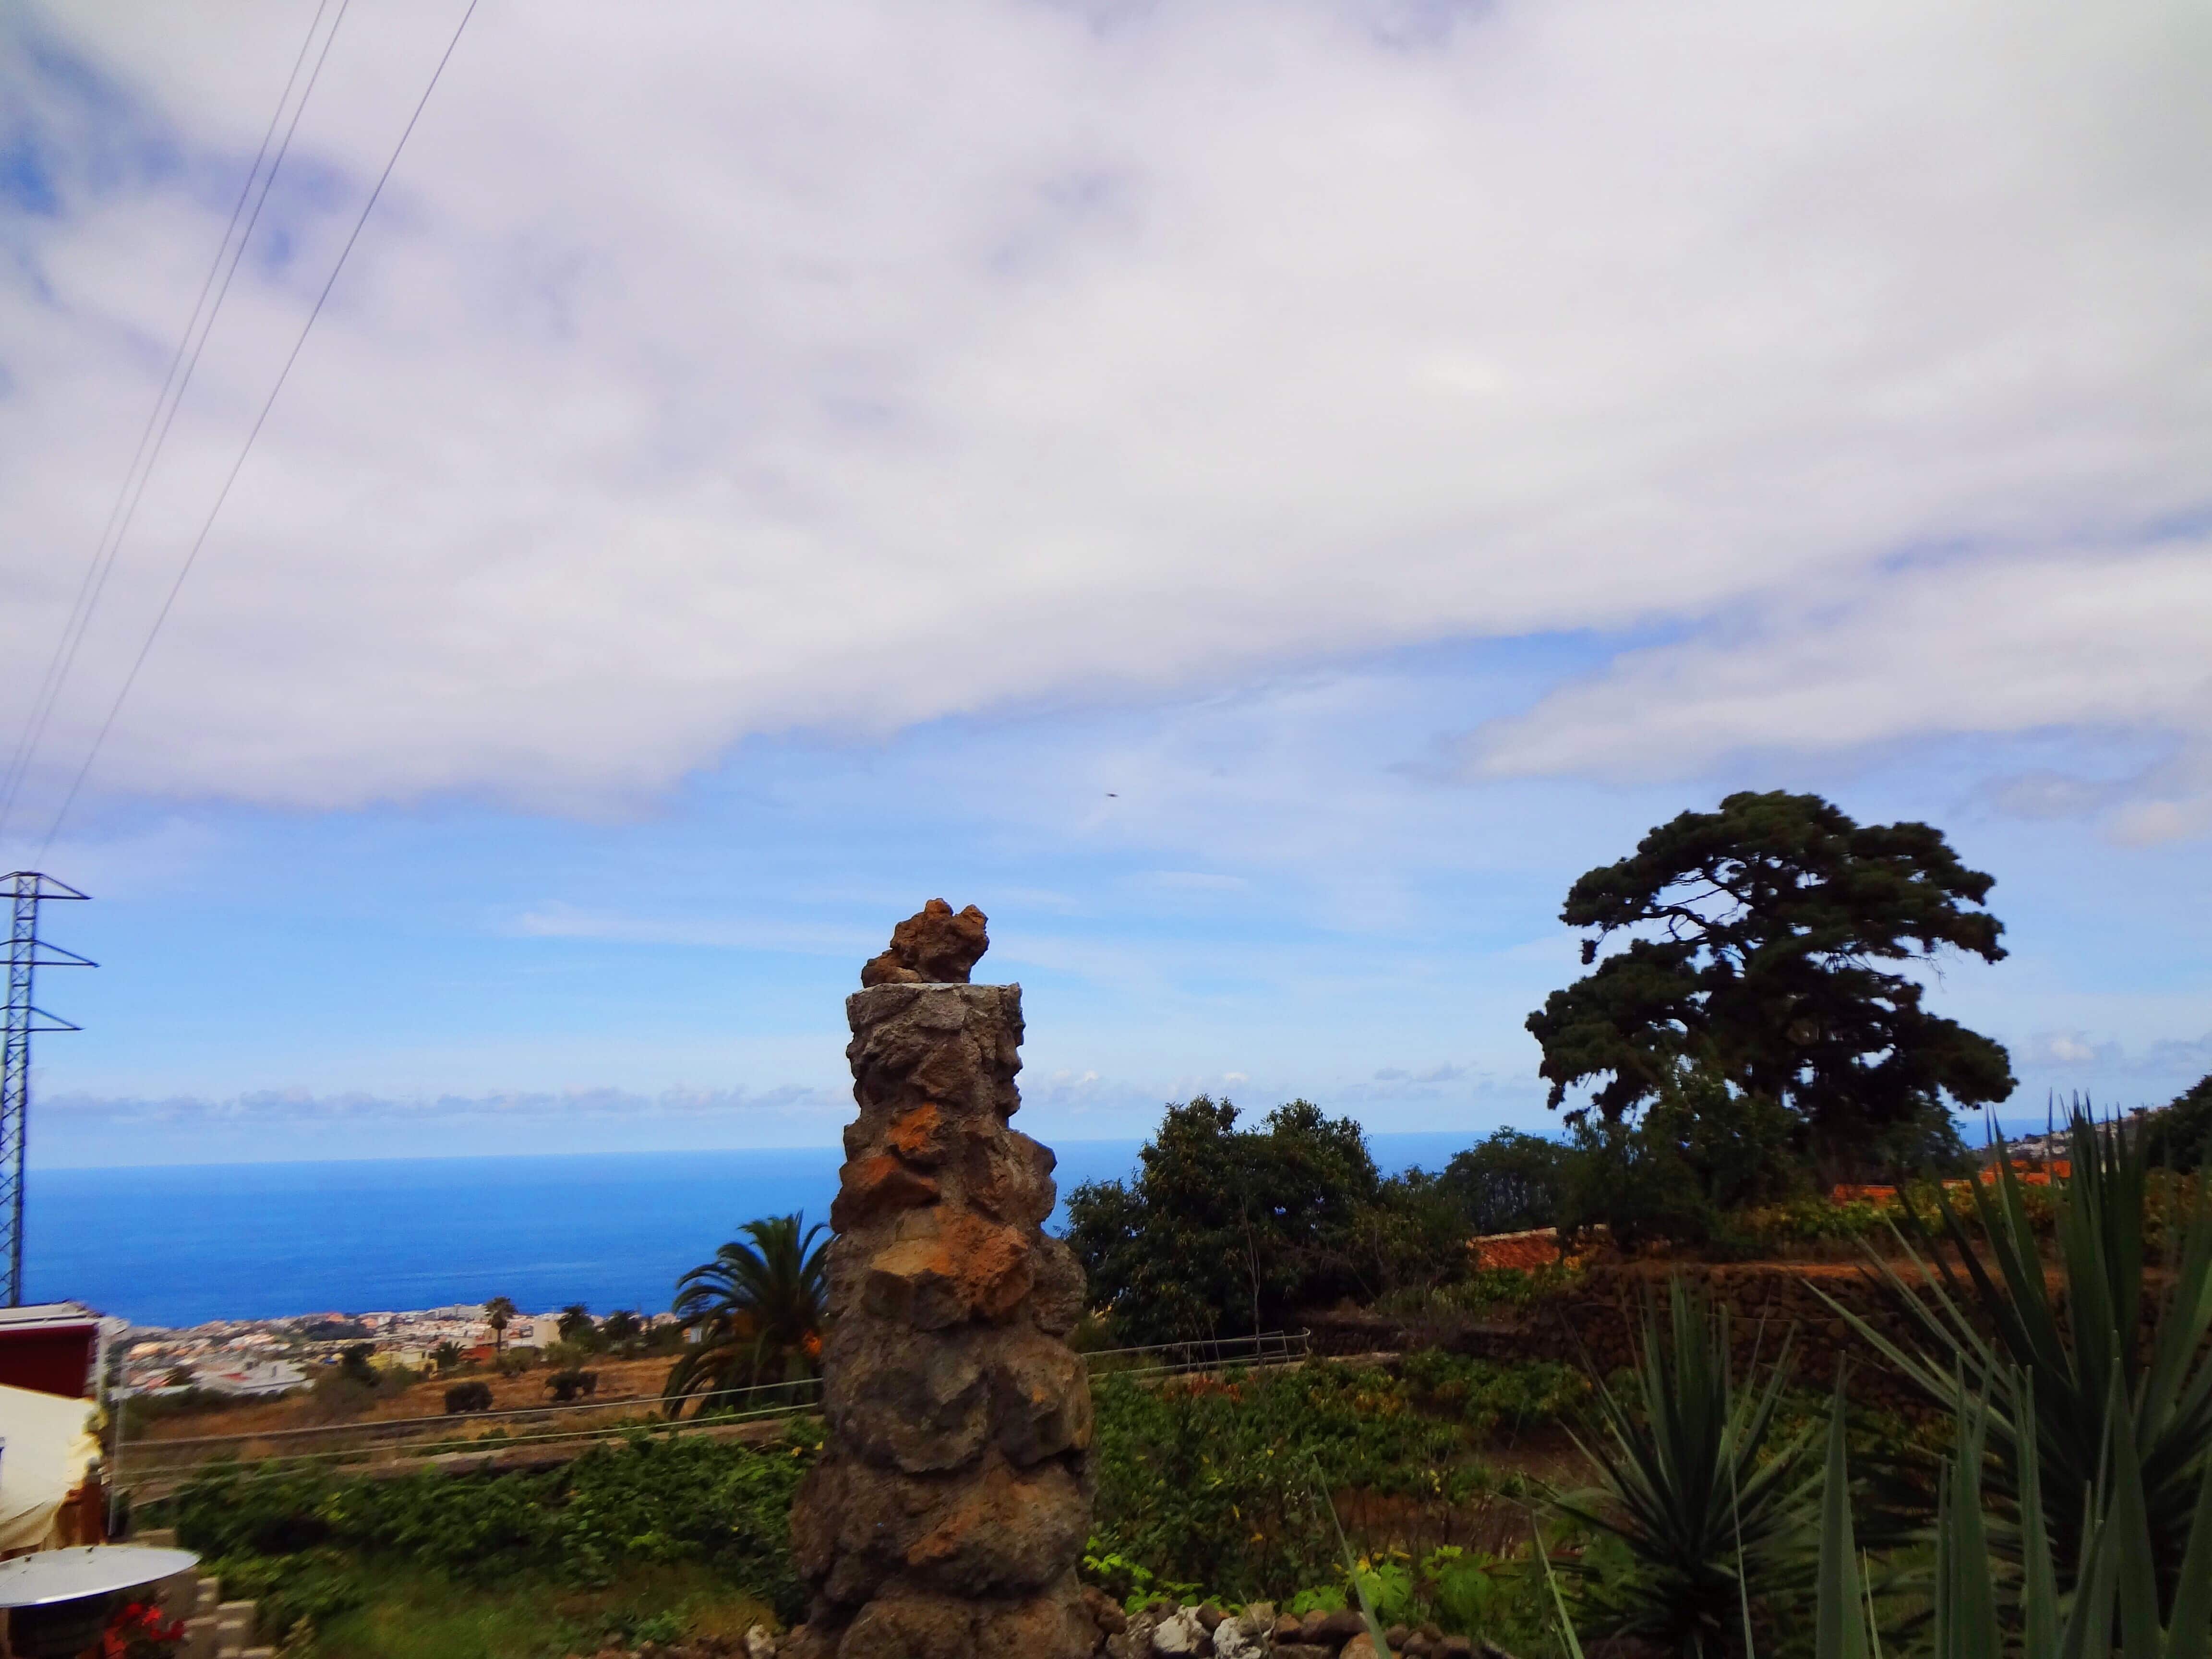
(1508, 1183)
(1225, 1231)
(2181, 1131)
(1762, 942)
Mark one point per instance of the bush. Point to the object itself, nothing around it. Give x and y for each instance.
(565, 1386)
(645, 1499)
(1774, 1230)
(1216, 1483)
(357, 1364)
(311, 1585)
(623, 1325)
(1486, 1397)
(468, 1397)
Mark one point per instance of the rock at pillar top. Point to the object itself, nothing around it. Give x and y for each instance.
(934, 946)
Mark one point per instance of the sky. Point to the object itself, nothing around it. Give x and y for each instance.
(1256, 497)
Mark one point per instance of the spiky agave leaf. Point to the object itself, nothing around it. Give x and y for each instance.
(1841, 1627)
(2074, 1380)
(1689, 1483)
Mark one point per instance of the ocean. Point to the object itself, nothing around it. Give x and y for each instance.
(179, 1245)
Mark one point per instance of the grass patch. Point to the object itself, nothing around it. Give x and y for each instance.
(421, 1613)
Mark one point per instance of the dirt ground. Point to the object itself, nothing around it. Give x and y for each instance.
(619, 1380)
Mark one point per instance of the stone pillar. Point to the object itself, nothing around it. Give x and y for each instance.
(949, 1509)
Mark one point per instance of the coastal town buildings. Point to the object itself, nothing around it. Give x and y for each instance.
(256, 1356)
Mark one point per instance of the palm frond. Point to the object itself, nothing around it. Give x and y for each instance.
(759, 1309)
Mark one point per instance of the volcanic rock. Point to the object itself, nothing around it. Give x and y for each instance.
(949, 1506)
(934, 946)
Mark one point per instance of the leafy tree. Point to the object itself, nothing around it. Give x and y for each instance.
(1412, 1237)
(1224, 1230)
(575, 1321)
(623, 1325)
(2181, 1132)
(357, 1362)
(1761, 940)
(1508, 1183)
(499, 1313)
(758, 1307)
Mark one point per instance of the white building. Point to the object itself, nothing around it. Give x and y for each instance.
(251, 1377)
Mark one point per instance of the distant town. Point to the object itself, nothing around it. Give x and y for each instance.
(255, 1356)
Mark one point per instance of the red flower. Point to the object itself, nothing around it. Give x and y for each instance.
(137, 1631)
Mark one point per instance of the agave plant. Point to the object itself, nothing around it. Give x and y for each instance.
(2054, 1384)
(759, 1309)
(2114, 1608)
(1713, 1512)
(2113, 1613)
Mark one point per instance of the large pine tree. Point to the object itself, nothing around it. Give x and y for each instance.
(1760, 943)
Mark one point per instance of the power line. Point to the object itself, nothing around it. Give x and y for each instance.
(199, 541)
(163, 415)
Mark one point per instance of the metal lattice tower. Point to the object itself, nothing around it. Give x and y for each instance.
(27, 952)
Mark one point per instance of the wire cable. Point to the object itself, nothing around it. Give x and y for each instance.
(156, 433)
(199, 541)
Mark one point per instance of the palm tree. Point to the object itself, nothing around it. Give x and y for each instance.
(621, 1325)
(759, 1309)
(497, 1312)
(574, 1318)
(447, 1355)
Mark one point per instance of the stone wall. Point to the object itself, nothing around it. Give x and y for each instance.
(1600, 1315)
(948, 1512)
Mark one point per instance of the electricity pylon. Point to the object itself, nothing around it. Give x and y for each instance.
(27, 952)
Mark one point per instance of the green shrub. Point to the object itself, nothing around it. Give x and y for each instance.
(311, 1585)
(565, 1386)
(1770, 1229)
(1635, 1186)
(1212, 1483)
(468, 1397)
(1486, 1396)
(1410, 1237)
(646, 1498)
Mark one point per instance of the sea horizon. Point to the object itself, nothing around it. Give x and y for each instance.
(179, 1244)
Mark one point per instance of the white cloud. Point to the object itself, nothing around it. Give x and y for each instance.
(709, 372)
(2068, 1049)
(556, 918)
(2094, 638)
(74, 1111)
